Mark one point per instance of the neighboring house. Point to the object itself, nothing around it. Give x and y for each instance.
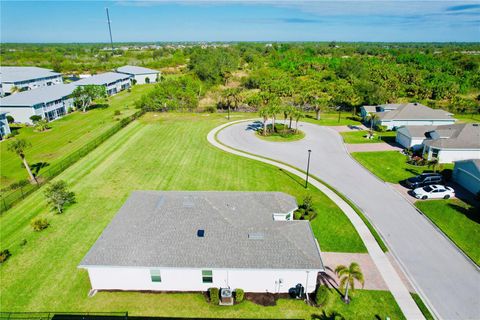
(365, 111)
(413, 136)
(48, 102)
(26, 78)
(140, 74)
(4, 127)
(467, 174)
(411, 114)
(453, 143)
(114, 82)
(191, 241)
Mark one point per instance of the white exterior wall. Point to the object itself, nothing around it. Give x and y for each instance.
(177, 279)
(408, 142)
(398, 123)
(33, 84)
(449, 155)
(140, 78)
(117, 86)
(20, 114)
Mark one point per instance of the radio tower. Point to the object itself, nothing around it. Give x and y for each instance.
(109, 29)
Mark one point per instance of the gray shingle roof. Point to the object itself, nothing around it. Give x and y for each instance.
(136, 70)
(17, 74)
(102, 79)
(37, 96)
(414, 111)
(369, 109)
(417, 131)
(159, 229)
(457, 136)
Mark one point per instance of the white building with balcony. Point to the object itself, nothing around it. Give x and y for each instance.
(114, 82)
(50, 103)
(18, 79)
(141, 75)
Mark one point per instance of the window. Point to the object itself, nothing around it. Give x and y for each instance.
(155, 276)
(435, 153)
(207, 276)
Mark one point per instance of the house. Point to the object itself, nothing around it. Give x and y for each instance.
(411, 114)
(365, 111)
(26, 78)
(467, 174)
(453, 142)
(50, 103)
(191, 241)
(114, 82)
(412, 137)
(4, 127)
(141, 75)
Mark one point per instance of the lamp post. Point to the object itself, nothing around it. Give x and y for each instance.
(308, 168)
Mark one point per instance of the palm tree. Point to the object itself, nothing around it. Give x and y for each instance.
(287, 112)
(433, 163)
(372, 117)
(347, 277)
(274, 110)
(264, 113)
(19, 146)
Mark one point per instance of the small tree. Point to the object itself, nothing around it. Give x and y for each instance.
(42, 125)
(4, 255)
(58, 196)
(372, 117)
(84, 95)
(239, 295)
(19, 146)
(297, 115)
(347, 276)
(264, 113)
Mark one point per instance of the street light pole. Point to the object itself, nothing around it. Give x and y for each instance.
(308, 167)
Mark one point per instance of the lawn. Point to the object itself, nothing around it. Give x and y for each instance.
(458, 220)
(331, 119)
(468, 117)
(359, 137)
(391, 166)
(65, 136)
(157, 152)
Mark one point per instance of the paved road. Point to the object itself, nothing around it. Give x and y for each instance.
(449, 282)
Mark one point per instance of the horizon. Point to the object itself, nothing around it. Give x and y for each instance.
(236, 21)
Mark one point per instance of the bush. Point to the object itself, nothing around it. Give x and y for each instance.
(239, 295)
(307, 203)
(117, 113)
(381, 128)
(35, 118)
(39, 224)
(211, 109)
(214, 295)
(4, 255)
(322, 295)
(297, 215)
(10, 119)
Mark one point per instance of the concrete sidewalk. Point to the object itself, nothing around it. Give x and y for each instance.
(388, 272)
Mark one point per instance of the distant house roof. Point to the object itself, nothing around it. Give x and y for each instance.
(391, 106)
(37, 96)
(134, 70)
(414, 111)
(369, 109)
(17, 74)
(102, 79)
(456, 136)
(162, 229)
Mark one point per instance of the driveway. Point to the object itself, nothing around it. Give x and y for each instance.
(448, 281)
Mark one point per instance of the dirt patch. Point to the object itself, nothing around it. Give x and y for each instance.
(265, 299)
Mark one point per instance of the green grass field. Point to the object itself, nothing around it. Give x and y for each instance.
(470, 118)
(157, 152)
(391, 166)
(359, 137)
(65, 136)
(331, 119)
(458, 220)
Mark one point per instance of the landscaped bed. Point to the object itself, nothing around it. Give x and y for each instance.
(159, 152)
(458, 220)
(282, 133)
(392, 166)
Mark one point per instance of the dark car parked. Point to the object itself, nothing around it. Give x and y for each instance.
(424, 179)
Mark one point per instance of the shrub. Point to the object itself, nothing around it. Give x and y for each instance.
(23, 242)
(39, 224)
(4, 255)
(214, 295)
(117, 113)
(239, 295)
(307, 203)
(297, 215)
(211, 109)
(35, 118)
(381, 128)
(10, 119)
(322, 295)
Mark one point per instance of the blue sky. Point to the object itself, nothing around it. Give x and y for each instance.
(85, 21)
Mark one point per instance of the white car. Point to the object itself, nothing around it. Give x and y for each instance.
(434, 191)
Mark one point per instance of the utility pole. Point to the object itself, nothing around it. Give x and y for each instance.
(109, 30)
